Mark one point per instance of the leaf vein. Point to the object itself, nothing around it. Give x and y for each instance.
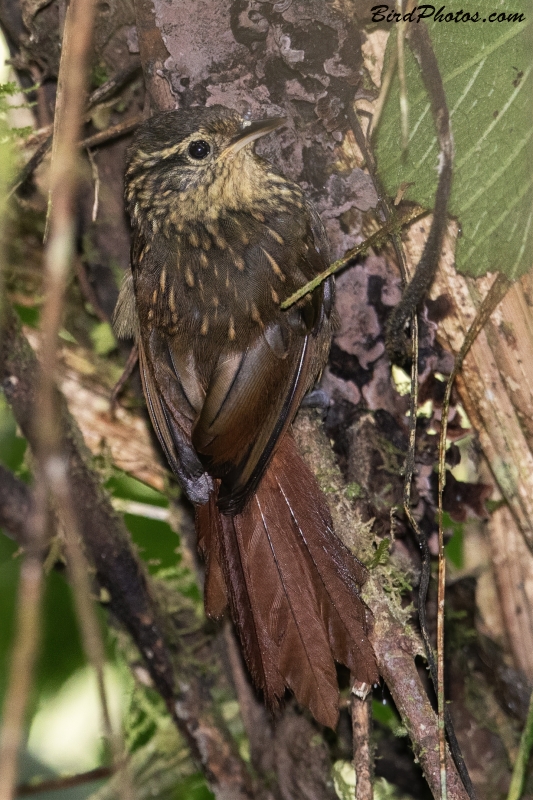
(499, 172)
(498, 222)
(467, 156)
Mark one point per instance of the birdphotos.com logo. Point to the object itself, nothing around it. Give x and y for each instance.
(385, 13)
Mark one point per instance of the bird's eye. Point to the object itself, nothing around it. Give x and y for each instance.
(199, 149)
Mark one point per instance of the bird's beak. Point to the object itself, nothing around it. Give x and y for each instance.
(251, 132)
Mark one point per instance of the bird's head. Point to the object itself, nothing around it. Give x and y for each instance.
(203, 158)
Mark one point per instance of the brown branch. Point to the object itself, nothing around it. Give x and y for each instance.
(31, 165)
(130, 365)
(100, 94)
(55, 784)
(113, 132)
(113, 85)
(385, 212)
(395, 645)
(21, 670)
(52, 473)
(424, 275)
(88, 291)
(123, 579)
(362, 750)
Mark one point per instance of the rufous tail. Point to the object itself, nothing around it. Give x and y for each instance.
(292, 586)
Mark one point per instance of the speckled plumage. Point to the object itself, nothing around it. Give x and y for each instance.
(234, 236)
(216, 248)
(218, 243)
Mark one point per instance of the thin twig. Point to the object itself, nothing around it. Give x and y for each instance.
(441, 595)
(78, 569)
(29, 593)
(97, 139)
(494, 296)
(362, 750)
(88, 291)
(29, 598)
(410, 458)
(421, 46)
(384, 210)
(113, 85)
(394, 226)
(524, 752)
(52, 460)
(96, 179)
(386, 213)
(99, 95)
(113, 132)
(68, 782)
(425, 578)
(31, 165)
(128, 369)
(420, 43)
(140, 605)
(425, 573)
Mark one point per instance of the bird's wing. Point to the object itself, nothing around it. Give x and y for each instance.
(227, 426)
(173, 394)
(253, 395)
(251, 400)
(172, 414)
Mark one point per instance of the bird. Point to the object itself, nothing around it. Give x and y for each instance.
(220, 239)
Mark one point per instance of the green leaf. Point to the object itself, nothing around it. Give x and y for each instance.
(388, 717)
(381, 555)
(454, 548)
(193, 788)
(12, 446)
(29, 315)
(23, 132)
(66, 336)
(61, 652)
(155, 539)
(344, 779)
(103, 338)
(120, 484)
(487, 70)
(9, 89)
